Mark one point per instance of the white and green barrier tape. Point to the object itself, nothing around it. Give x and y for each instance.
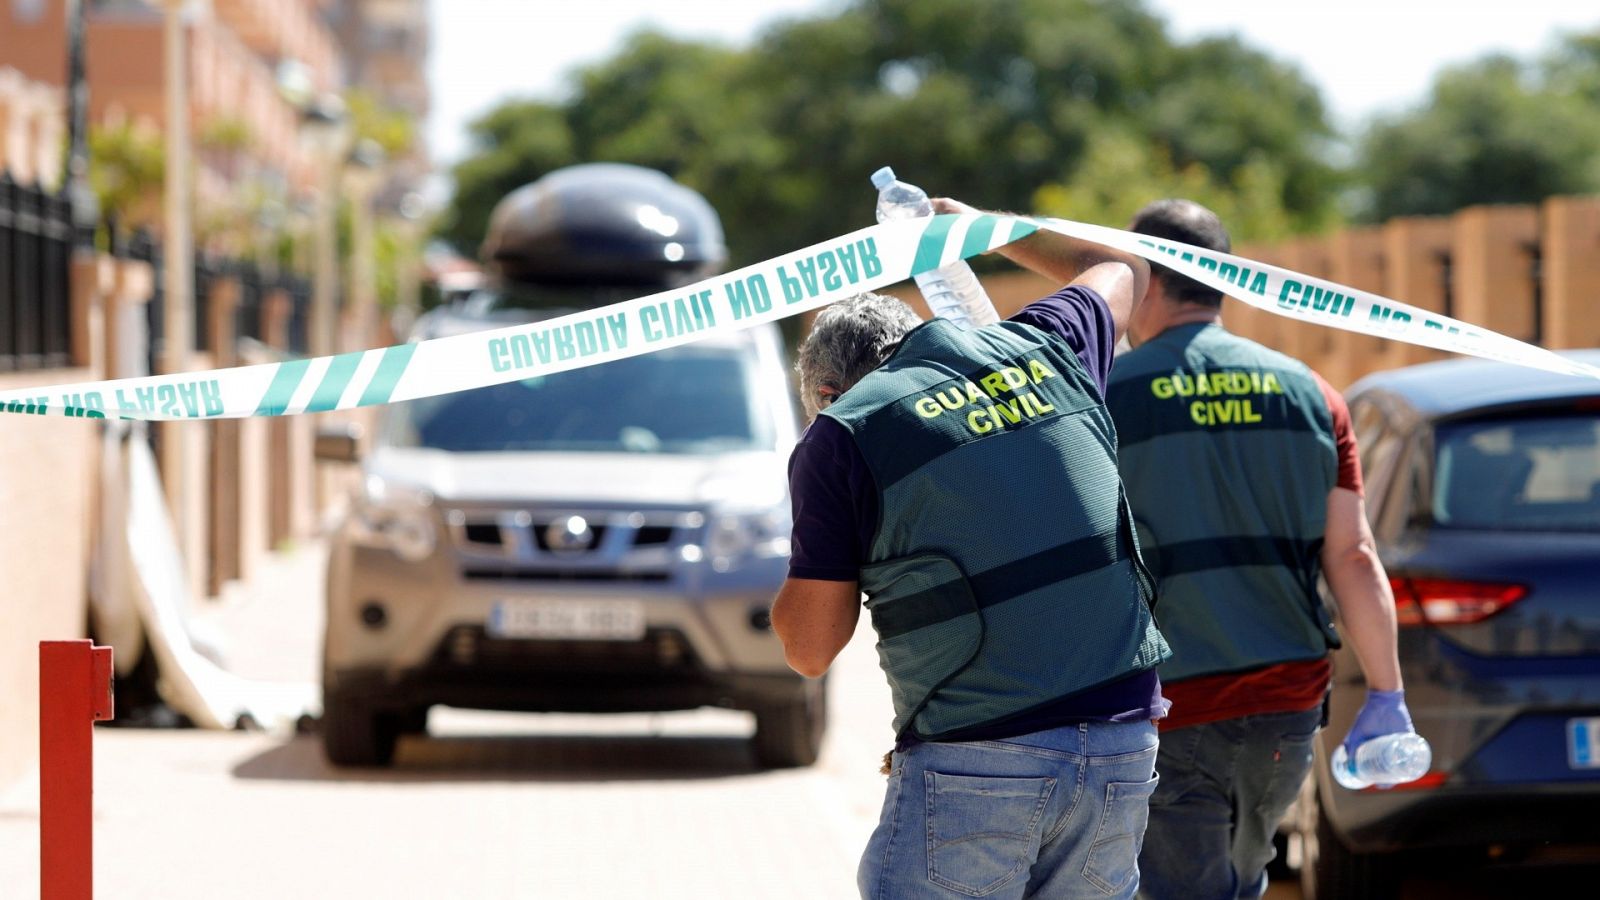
(790, 284)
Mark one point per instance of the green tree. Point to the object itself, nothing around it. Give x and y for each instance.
(127, 167)
(1493, 131)
(781, 135)
(1122, 172)
(372, 120)
(513, 144)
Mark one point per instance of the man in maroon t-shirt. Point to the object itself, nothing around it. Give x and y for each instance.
(1239, 553)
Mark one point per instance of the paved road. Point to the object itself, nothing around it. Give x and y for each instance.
(492, 805)
(488, 806)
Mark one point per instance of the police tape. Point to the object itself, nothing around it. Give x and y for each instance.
(783, 286)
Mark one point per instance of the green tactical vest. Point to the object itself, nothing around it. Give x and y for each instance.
(1004, 574)
(1227, 450)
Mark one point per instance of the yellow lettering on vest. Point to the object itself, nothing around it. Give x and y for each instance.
(1038, 371)
(1269, 384)
(1219, 382)
(1014, 377)
(977, 422)
(1039, 403)
(1182, 384)
(1250, 415)
(994, 383)
(1197, 412)
(1162, 388)
(994, 416)
(927, 407)
(952, 399)
(1009, 411)
(973, 394)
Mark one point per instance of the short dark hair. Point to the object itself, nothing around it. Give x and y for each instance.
(1176, 219)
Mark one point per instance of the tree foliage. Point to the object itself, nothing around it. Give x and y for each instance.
(127, 168)
(1090, 100)
(1497, 130)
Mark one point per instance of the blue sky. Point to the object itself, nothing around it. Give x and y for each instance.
(1366, 55)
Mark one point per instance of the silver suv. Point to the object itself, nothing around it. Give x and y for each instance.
(602, 540)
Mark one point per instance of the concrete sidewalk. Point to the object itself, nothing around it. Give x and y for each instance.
(489, 805)
(270, 628)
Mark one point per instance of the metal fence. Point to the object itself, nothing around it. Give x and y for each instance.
(35, 290)
(254, 288)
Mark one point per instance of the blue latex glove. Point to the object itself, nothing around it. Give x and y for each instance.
(1384, 713)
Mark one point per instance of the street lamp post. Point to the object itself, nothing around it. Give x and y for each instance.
(324, 123)
(181, 460)
(177, 241)
(85, 207)
(363, 175)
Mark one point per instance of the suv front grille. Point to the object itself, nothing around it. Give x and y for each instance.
(571, 544)
(661, 650)
(542, 532)
(483, 534)
(484, 573)
(652, 535)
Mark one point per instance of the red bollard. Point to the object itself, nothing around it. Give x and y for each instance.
(74, 693)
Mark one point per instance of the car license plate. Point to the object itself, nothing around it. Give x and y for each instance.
(1583, 743)
(582, 620)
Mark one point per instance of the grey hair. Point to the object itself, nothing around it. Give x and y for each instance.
(848, 340)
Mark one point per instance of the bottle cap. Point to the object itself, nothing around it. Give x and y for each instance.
(883, 178)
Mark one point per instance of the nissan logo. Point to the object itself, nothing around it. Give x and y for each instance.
(569, 535)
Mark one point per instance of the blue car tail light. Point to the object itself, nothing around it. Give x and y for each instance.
(1449, 601)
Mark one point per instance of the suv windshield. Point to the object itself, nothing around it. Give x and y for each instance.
(693, 399)
(1536, 474)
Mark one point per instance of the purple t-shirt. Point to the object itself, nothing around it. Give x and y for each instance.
(836, 513)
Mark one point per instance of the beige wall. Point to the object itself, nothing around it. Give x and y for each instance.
(46, 489)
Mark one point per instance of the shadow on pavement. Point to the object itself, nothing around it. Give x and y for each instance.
(556, 758)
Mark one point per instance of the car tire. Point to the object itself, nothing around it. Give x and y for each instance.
(1331, 871)
(414, 720)
(789, 735)
(354, 734)
(1279, 869)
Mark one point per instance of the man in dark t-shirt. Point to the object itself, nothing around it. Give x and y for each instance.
(836, 509)
(966, 481)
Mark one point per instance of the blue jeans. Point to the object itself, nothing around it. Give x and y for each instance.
(1224, 787)
(1057, 814)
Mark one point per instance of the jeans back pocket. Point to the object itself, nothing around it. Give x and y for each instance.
(1114, 855)
(983, 831)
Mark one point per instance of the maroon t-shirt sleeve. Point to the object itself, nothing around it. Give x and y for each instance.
(1344, 437)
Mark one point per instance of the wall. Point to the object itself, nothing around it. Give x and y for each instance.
(47, 483)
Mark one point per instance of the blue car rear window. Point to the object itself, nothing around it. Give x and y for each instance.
(1533, 474)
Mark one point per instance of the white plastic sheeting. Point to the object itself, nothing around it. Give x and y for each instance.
(152, 571)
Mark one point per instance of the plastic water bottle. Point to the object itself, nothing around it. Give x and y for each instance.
(952, 291)
(1386, 760)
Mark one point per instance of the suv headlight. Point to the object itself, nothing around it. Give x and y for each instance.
(733, 538)
(396, 517)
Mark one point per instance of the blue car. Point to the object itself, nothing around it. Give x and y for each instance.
(1483, 490)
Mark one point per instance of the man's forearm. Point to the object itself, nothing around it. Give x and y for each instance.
(1366, 608)
(1061, 258)
(1052, 254)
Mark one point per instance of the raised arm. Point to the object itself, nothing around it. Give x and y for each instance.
(1117, 276)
